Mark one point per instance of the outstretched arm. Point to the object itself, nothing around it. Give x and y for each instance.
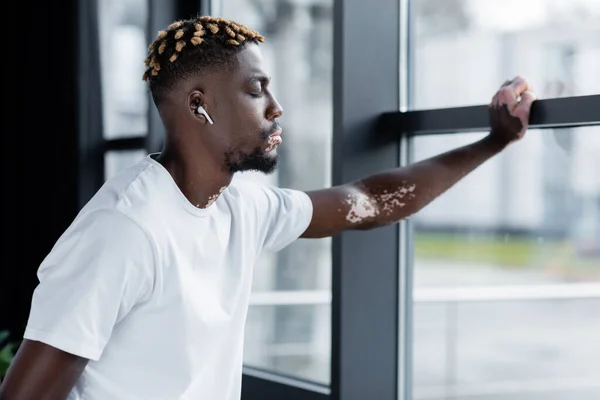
(391, 196)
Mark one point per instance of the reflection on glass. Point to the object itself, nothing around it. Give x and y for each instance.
(507, 273)
(294, 338)
(123, 46)
(481, 43)
(293, 347)
(116, 161)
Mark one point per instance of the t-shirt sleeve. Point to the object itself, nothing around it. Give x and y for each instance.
(97, 271)
(283, 215)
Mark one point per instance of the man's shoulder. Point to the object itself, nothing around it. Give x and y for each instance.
(265, 196)
(243, 190)
(253, 185)
(244, 181)
(135, 194)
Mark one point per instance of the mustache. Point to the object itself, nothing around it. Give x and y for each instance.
(268, 132)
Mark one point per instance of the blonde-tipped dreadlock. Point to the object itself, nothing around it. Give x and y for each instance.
(188, 46)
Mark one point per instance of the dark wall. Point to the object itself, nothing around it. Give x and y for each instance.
(40, 159)
(53, 159)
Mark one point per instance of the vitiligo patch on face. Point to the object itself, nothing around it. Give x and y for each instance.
(274, 141)
(363, 206)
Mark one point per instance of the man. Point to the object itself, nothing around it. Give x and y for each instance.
(145, 295)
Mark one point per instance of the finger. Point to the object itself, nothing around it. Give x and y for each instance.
(523, 110)
(507, 96)
(496, 100)
(519, 85)
(510, 92)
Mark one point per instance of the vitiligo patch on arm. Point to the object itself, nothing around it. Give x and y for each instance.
(365, 206)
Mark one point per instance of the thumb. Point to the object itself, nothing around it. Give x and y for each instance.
(523, 109)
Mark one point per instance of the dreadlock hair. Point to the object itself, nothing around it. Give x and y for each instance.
(188, 46)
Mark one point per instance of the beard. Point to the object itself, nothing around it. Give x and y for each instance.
(258, 160)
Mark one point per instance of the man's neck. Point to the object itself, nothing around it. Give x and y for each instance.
(198, 178)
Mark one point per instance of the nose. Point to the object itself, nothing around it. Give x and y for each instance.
(274, 111)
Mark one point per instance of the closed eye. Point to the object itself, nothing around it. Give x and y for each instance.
(258, 85)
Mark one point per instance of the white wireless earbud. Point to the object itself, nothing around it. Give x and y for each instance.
(202, 111)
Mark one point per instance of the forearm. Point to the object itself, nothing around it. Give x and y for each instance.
(396, 194)
(391, 196)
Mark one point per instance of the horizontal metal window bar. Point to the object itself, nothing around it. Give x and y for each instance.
(565, 112)
(518, 388)
(571, 291)
(268, 385)
(290, 298)
(127, 143)
(568, 291)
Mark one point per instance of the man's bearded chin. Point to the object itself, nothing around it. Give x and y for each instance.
(258, 161)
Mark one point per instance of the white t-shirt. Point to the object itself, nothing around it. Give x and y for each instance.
(154, 291)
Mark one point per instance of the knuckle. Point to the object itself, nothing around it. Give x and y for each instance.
(505, 95)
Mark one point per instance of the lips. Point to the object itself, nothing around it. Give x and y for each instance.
(274, 140)
(276, 133)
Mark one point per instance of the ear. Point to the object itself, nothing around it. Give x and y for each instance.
(195, 100)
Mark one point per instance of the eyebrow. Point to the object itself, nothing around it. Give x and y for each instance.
(258, 78)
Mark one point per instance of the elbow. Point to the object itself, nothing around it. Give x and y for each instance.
(364, 213)
(377, 223)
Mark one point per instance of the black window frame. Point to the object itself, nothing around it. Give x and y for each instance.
(365, 301)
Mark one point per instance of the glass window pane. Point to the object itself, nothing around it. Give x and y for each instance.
(553, 43)
(285, 335)
(507, 273)
(123, 47)
(298, 337)
(116, 161)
